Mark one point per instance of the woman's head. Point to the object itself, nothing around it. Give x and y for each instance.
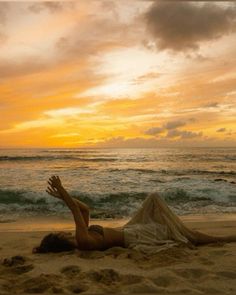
(56, 242)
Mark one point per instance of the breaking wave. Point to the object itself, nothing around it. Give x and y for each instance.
(111, 205)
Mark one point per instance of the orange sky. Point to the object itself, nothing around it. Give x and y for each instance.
(117, 74)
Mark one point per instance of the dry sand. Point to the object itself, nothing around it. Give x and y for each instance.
(207, 269)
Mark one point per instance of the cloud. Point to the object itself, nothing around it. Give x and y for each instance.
(52, 6)
(189, 134)
(110, 6)
(183, 134)
(182, 26)
(98, 29)
(211, 105)
(147, 77)
(170, 128)
(154, 131)
(23, 67)
(97, 35)
(221, 130)
(87, 34)
(139, 142)
(3, 16)
(173, 133)
(78, 33)
(3, 12)
(174, 124)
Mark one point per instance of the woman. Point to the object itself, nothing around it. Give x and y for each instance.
(154, 226)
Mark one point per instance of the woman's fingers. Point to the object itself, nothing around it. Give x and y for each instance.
(49, 182)
(53, 193)
(50, 191)
(52, 178)
(54, 181)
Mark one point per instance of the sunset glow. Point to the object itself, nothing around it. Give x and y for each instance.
(113, 74)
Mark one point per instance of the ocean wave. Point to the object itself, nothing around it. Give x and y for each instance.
(197, 172)
(110, 205)
(51, 158)
(214, 172)
(20, 197)
(201, 157)
(173, 172)
(179, 195)
(229, 158)
(78, 151)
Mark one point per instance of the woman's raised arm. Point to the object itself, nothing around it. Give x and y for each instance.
(82, 206)
(82, 236)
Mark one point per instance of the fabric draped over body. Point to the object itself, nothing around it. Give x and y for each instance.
(155, 227)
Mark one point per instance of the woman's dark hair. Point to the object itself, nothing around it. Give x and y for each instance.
(54, 242)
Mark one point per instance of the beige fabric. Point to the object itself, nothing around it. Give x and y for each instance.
(154, 227)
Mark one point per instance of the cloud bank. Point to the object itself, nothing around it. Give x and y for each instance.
(171, 131)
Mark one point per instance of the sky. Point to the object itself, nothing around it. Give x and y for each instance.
(117, 74)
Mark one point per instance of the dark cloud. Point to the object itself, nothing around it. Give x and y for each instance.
(181, 26)
(190, 134)
(221, 130)
(170, 128)
(174, 124)
(153, 131)
(173, 133)
(171, 125)
(183, 134)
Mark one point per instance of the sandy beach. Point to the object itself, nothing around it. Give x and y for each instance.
(207, 269)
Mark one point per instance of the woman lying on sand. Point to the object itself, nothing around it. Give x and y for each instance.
(153, 226)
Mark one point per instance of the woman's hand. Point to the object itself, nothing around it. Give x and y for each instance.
(53, 192)
(54, 186)
(55, 182)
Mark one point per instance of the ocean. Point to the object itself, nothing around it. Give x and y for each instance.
(114, 182)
